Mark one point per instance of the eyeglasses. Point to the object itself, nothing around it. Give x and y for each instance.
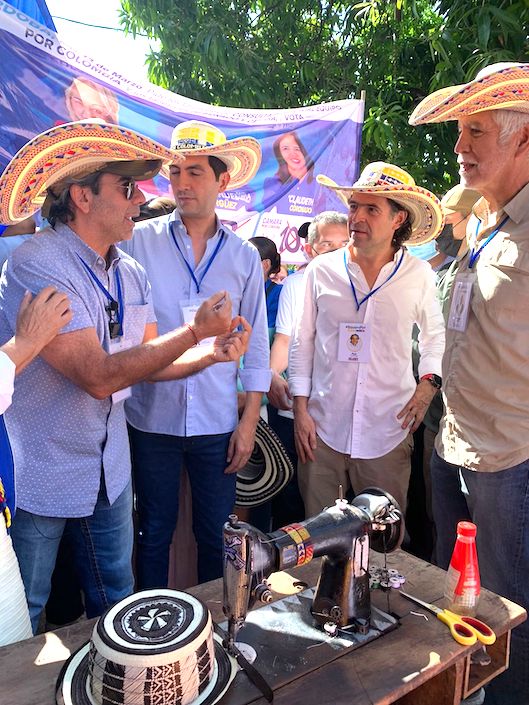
(329, 246)
(130, 187)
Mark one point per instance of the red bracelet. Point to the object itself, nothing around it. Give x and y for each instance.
(190, 327)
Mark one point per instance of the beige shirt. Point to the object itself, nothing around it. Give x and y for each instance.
(486, 368)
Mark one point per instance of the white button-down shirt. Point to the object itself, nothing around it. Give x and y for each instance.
(355, 405)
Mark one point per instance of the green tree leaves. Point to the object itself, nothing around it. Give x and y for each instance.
(287, 53)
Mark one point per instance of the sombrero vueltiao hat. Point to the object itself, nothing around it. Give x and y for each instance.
(72, 151)
(267, 472)
(496, 87)
(241, 155)
(156, 646)
(390, 181)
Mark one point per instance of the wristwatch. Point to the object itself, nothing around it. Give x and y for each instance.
(434, 380)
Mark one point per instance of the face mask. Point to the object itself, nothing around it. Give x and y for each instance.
(447, 243)
(426, 251)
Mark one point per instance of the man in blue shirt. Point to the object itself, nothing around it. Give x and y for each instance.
(188, 255)
(67, 423)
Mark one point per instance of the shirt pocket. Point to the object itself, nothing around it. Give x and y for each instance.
(503, 284)
(134, 322)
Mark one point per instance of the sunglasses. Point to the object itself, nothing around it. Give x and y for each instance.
(130, 187)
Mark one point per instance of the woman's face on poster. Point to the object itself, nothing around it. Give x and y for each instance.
(89, 103)
(291, 152)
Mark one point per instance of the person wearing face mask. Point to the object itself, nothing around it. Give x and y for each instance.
(451, 243)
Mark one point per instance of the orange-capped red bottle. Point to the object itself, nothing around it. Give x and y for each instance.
(462, 580)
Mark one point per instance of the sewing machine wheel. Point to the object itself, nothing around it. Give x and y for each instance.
(391, 537)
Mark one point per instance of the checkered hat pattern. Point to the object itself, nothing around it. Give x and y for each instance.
(154, 648)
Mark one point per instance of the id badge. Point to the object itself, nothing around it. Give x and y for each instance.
(189, 311)
(118, 345)
(354, 342)
(460, 304)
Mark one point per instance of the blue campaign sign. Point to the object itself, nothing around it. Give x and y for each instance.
(45, 82)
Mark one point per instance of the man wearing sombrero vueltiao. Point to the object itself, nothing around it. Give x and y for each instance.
(67, 422)
(480, 466)
(194, 422)
(356, 401)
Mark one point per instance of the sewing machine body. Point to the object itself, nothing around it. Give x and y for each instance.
(341, 534)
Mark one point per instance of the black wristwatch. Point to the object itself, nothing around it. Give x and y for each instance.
(434, 380)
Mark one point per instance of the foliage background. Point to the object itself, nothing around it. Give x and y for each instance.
(288, 53)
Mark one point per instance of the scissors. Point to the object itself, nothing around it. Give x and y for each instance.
(465, 630)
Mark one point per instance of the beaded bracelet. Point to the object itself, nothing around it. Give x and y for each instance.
(190, 327)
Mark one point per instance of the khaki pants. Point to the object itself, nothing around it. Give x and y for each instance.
(319, 480)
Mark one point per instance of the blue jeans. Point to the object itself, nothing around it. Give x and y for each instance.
(498, 503)
(102, 545)
(156, 462)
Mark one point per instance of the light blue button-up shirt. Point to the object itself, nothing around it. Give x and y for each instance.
(62, 438)
(205, 403)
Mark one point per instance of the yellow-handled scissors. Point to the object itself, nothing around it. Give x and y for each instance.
(465, 630)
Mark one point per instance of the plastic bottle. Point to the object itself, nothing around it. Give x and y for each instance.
(462, 580)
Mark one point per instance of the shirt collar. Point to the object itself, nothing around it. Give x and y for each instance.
(90, 256)
(517, 208)
(181, 228)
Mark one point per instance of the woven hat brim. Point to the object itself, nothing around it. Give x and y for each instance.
(424, 206)
(267, 472)
(71, 686)
(64, 152)
(242, 156)
(507, 89)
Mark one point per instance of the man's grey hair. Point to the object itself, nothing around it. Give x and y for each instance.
(325, 218)
(509, 122)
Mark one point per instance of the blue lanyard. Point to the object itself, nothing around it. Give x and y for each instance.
(373, 291)
(189, 268)
(107, 293)
(475, 254)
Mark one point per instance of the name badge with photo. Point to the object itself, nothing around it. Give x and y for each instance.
(460, 304)
(189, 311)
(354, 342)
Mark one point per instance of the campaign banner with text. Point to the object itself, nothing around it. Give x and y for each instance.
(44, 82)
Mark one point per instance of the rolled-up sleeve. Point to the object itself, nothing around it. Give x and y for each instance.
(256, 374)
(431, 330)
(301, 353)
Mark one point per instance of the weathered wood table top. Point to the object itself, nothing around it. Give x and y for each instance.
(382, 672)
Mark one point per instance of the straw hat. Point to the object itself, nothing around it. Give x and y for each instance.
(390, 181)
(459, 199)
(241, 155)
(72, 151)
(496, 87)
(156, 646)
(267, 472)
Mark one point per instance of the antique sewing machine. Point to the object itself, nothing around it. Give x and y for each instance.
(342, 534)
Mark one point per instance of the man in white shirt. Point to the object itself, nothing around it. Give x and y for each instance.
(356, 401)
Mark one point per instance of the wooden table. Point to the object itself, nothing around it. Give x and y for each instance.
(417, 664)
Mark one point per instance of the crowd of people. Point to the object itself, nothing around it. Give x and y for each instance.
(147, 344)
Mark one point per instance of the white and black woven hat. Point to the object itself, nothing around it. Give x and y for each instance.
(267, 472)
(155, 647)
